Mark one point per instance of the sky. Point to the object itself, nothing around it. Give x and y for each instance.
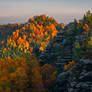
(65, 11)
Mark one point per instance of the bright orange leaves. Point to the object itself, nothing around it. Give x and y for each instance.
(2, 42)
(15, 35)
(41, 33)
(86, 29)
(31, 50)
(43, 17)
(69, 65)
(24, 37)
(23, 28)
(20, 40)
(38, 31)
(41, 49)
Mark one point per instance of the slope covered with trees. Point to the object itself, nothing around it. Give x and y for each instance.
(20, 70)
(45, 56)
(34, 36)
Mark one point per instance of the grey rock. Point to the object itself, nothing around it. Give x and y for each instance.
(86, 77)
(63, 76)
(86, 61)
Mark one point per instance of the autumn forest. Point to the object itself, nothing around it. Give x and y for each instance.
(43, 55)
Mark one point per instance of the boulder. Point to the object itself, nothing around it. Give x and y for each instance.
(62, 82)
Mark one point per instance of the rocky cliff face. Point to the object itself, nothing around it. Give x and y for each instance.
(66, 82)
(81, 80)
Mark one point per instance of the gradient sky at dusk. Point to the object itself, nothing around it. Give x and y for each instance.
(62, 10)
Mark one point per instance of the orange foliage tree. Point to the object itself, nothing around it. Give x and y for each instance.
(37, 33)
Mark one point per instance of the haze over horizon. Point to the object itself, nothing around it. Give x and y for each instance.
(20, 11)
